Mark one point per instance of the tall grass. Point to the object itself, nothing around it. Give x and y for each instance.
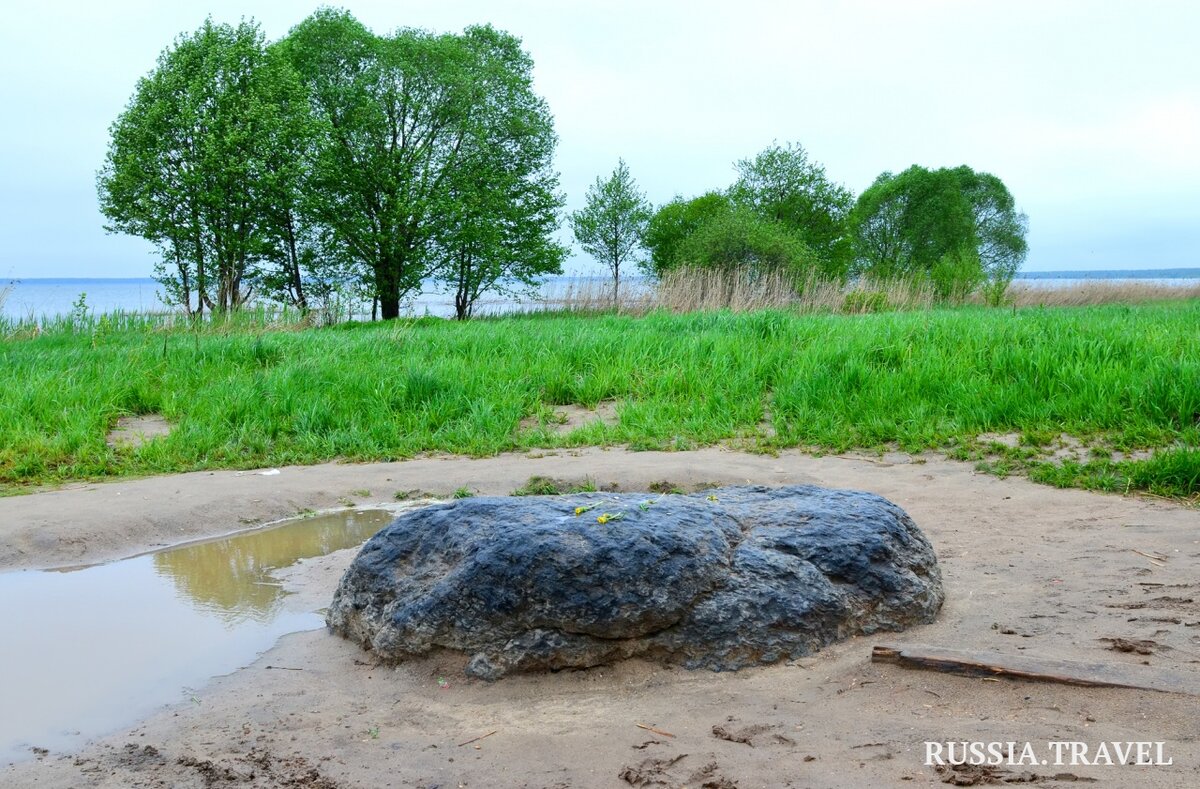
(242, 394)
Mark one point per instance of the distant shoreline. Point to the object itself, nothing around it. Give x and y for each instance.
(1150, 273)
(1154, 273)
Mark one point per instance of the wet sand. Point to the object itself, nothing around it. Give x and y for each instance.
(1028, 570)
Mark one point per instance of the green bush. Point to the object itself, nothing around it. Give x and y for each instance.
(861, 301)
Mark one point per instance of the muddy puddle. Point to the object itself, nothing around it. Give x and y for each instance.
(87, 651)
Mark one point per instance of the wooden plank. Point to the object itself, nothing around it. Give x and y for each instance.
(1070, 672)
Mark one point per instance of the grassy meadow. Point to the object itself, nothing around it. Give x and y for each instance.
(246, 393)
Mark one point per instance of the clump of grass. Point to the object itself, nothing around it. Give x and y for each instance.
(539, 486)
(463, 493)
(1174, 473)
(546, 486)
(860, 301)
(666, 488)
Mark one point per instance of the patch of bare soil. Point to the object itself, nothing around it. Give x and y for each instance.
(132, 431)
(1029, 570)
(565, 418)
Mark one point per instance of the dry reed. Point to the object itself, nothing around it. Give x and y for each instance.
(1087, 293)
(738, 290)
(744, 290)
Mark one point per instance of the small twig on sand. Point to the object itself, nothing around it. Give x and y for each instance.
(285, 668)
(656, 731)
(865, 460)
(477, 739)
(1152, 556)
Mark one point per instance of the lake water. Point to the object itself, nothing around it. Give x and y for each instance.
(30, 299)
(38, 298)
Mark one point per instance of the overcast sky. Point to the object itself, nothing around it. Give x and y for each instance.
(1089, 111)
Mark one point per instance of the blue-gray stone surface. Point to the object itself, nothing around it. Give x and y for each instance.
(722, 579)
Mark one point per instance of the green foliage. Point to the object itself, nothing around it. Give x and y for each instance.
(611, 225)
(80, 312)
(957, 227)
(741, 238)
(394, 115)
(781, 213)
(863, 301)
(202, 159)
(782, 184)
(335, 164)
(671, 225)
(501, 205)
(956, 274)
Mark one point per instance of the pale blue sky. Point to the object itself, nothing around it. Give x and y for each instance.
(1089, 111)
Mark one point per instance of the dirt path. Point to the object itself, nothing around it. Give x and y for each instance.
(1028, 569)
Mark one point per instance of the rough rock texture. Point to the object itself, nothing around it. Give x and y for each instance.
(722, 579)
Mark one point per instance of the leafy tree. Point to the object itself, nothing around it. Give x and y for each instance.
(957, 226)
(671, 226)
(389, 113)
(501, 204)
(783, 185)
(200, 156)
(612, 224)
(1000, 229)
(741, 238)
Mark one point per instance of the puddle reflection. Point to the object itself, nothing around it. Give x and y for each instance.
(88, 651)
(231, 577)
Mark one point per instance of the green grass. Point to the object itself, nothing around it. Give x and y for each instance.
(244, 395)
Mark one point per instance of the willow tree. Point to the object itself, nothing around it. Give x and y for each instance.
(201, 157)
(948, 223)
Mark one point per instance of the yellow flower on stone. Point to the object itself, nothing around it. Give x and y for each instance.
(712, 497)
(603, 518)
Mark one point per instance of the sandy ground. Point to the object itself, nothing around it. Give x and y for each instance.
(1028, 570)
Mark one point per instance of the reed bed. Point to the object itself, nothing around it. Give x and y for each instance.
(1023, 294)
(736, 290)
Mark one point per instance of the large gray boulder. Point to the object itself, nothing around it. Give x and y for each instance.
(721, 579)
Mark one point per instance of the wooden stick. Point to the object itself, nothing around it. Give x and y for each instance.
(656, 731)
(1070, 672)
(477, 739)
(1156, 556)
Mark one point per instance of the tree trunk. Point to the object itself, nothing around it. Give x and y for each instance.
(387, 287)
(201, 291)
(294, 265)
(462, 296)
(389, 306)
